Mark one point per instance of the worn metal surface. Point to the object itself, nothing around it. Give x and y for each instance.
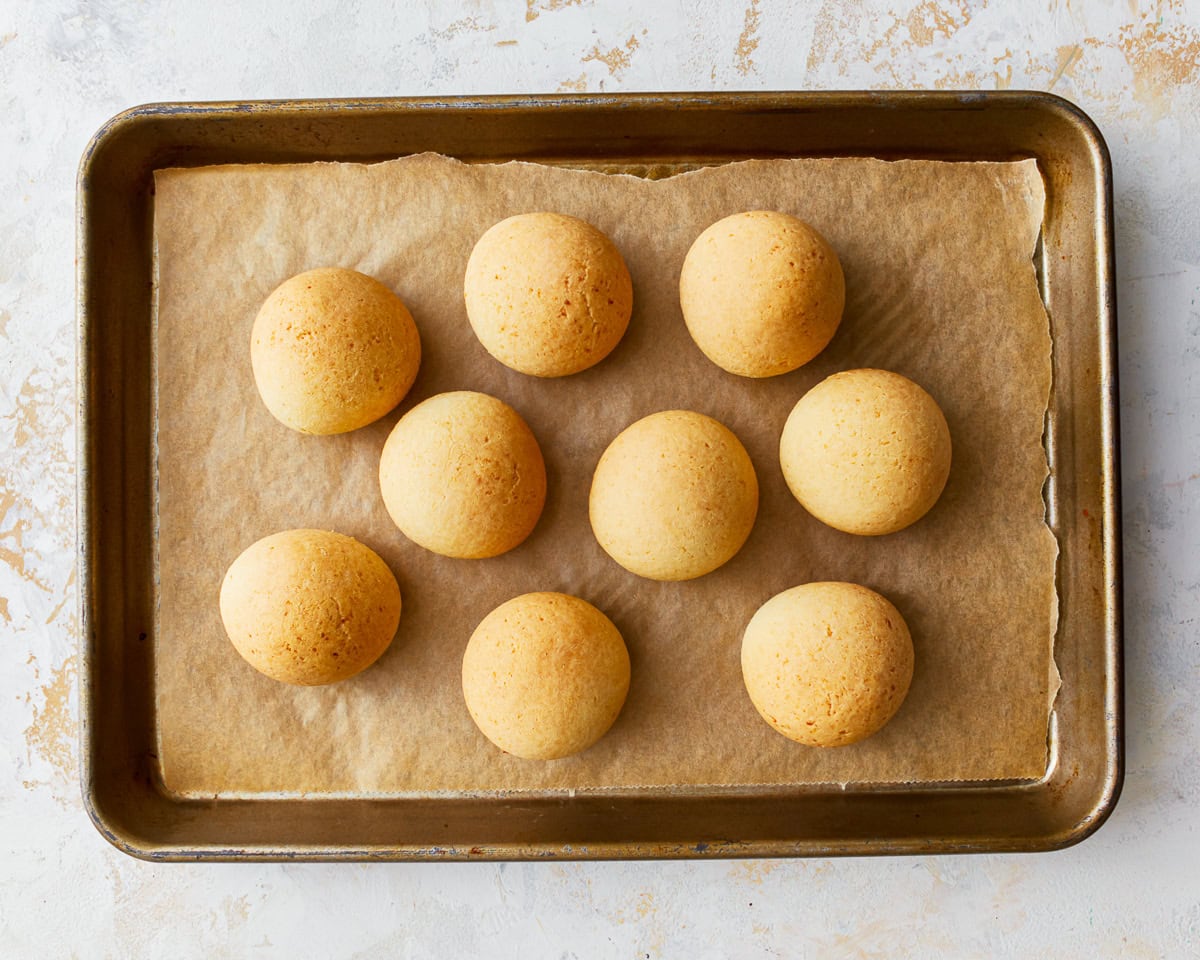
(655, 133)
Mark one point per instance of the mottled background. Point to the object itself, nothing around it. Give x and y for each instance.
(1132, 890)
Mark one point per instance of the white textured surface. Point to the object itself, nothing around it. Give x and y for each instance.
(1132, 890)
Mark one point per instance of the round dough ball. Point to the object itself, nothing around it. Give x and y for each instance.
(462, 475)
(866, 452)
(827, 664)
(674, 496)
(545, 675)
(310, 606)
(333, 350)
(547, 294)
(762, 293)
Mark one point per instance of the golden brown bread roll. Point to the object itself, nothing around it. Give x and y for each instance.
(547, 294)
(333, 350)
(762, 293)
(309, 606)
(462, 475)
(674, 496)
(545, 675)
(866, 452)
(827, 664)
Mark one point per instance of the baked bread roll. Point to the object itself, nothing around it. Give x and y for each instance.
(762, 293)
(462, 475)
(674, 496)
(827, 664)
(866, 452)
(547, 294)
(333, 350)
(545, 675)
(309, 607)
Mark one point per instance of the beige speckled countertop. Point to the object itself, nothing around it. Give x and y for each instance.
(1131, 890)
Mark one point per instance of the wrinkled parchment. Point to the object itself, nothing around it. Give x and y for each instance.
(940, 287)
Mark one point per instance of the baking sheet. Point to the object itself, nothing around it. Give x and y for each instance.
(940, 287)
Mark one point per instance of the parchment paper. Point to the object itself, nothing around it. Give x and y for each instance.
(940, 287)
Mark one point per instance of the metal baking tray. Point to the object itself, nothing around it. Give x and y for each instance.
(654, 134)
